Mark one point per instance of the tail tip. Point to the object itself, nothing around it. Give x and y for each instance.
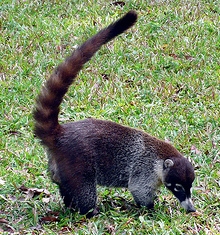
(131, 16)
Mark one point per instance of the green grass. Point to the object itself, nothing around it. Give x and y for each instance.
(162, 76)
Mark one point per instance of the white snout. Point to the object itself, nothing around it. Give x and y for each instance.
(188, 205)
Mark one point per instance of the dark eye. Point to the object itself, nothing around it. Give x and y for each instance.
(178, 187)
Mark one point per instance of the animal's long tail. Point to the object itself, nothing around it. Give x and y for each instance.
(47, 105)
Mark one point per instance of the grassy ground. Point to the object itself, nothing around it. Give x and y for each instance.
(163, 76)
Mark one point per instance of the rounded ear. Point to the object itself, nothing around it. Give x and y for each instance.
(168, 163)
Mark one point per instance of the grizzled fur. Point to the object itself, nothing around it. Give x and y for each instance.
(85, 153)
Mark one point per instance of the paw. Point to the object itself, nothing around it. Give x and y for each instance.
(92, 213)
(150, 206)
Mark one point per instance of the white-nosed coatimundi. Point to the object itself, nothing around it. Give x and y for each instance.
(85, 153)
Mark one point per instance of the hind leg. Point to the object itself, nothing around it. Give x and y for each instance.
(79, 192)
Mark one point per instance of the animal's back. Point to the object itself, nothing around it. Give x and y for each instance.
(107, 147)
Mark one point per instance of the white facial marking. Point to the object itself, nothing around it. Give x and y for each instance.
(168, 184)
(178, 187)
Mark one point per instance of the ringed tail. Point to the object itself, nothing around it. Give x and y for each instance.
(47, 108)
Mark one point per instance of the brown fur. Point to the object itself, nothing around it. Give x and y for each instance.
(89, 152)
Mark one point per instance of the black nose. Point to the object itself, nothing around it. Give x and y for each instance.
(192, 209)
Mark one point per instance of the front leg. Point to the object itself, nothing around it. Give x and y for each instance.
(143, 185)
(143, 196)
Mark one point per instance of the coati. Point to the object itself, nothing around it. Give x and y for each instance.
(85, 153)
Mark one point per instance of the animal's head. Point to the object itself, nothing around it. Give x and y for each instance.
(178, 176)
